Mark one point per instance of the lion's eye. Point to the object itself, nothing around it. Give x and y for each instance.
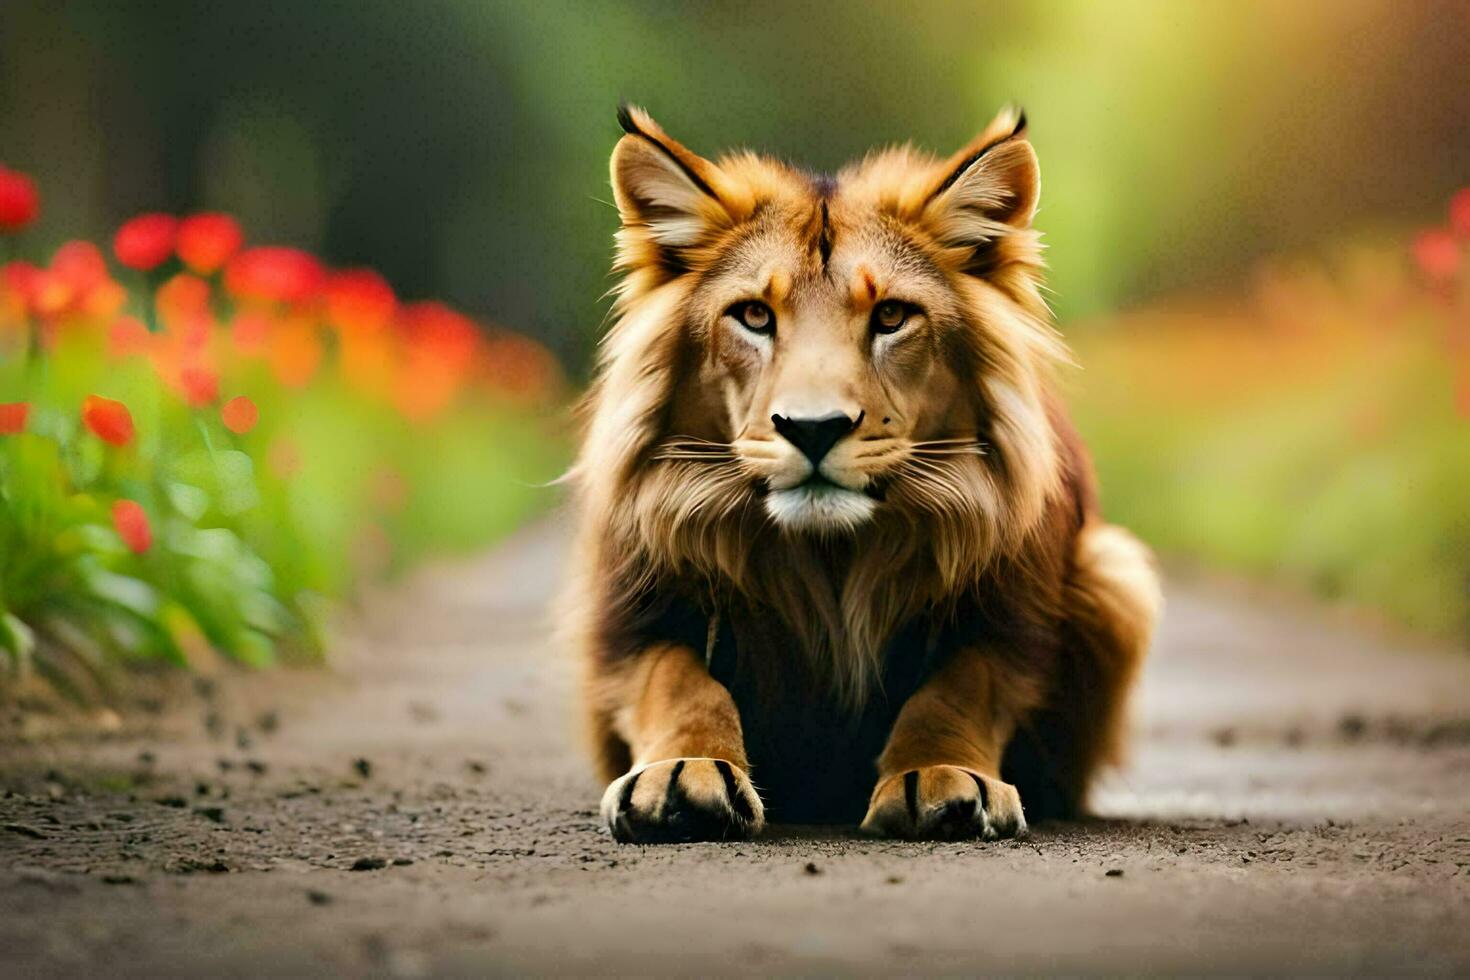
(754, 316)
(889, 315)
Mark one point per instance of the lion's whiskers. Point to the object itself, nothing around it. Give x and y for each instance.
(948, 447)
(695, 449)
(938, 478)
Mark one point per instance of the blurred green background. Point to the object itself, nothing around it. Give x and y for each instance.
(460, 147)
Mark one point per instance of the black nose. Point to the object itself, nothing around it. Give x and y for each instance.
(814, 437)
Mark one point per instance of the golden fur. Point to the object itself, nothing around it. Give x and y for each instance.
(961, 499)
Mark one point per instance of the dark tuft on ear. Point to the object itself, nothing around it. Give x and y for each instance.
(967, 163)
(666, 194)
(986, 194)
(996, 140)
(625, 119)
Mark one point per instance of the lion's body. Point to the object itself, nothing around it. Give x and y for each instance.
(1072, 626)
(959, 626)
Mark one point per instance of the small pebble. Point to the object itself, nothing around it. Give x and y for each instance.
(1114, 872)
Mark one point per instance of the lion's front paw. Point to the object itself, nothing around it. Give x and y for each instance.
(944, 803)
(681, 800)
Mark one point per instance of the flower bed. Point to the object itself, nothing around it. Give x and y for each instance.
(203, 442)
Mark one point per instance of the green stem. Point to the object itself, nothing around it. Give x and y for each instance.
(35, 361)
(204, 432)
(147, 293)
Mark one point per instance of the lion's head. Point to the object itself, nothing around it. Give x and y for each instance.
(832, 377)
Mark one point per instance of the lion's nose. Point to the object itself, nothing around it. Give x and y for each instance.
(815, 437)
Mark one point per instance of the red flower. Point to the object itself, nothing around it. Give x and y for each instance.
(1438, 254)
(13, 417)
(146, 241)
(359, 300)
(239, 415)
(19, 201)
(519, 367)
(441, 347)
(79, 282)
(50, 294)
(274, 275)
(109, 420)
(442, 333)
(40, 292)
(80, 265)
(127, 337)
(131, 521)
(295, 351)
(19, 279)
(250, 333)
(208, 241)
(424, 387)
(104, 300)
(1460, 213)
(183, 306)
(200, 385)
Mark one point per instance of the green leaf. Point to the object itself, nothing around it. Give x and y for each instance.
(140, 636)
(123, 591)
(264, 612)
(93, 539)
(238, 492)
(17, 639)
(253, 649)
(227, 474)
(188, 500)
(212, 544)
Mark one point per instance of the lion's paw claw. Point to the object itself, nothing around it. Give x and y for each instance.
(682, 800)
(944, 803)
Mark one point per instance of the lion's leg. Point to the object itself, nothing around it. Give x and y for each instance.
(939, 775)
(687, 778)
(1113, 603)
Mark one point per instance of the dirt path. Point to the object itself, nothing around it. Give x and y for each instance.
(1298, 803)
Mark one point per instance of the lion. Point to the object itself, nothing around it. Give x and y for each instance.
(840, 558)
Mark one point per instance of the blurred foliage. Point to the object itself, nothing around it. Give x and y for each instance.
(198, 465)
(462, 146)
(1316, 431)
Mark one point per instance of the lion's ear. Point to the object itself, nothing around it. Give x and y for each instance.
(987, 190)
(665, 189)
